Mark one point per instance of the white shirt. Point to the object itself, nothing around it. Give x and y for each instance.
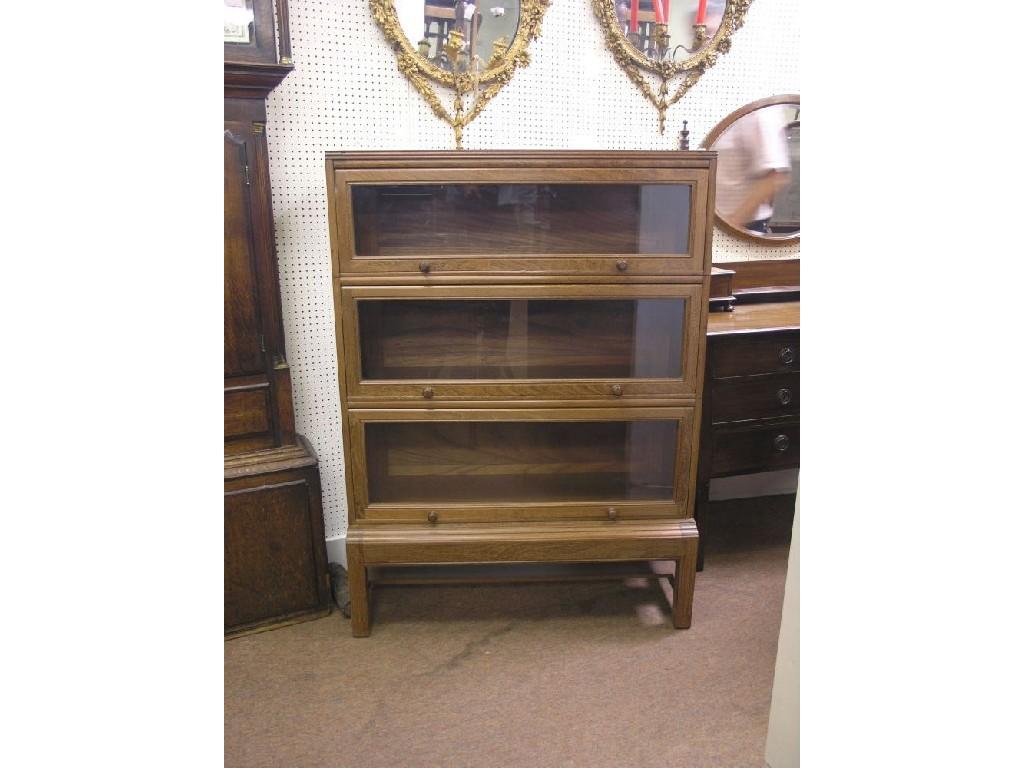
(752, 146)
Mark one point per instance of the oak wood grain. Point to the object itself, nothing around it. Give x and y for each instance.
(573, 245)
(454, 389)
(566, 365)
(523, 543)
(752, 318)
(764, 273)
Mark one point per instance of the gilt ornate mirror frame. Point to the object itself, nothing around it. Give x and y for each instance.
(634, 61)
(485, 84)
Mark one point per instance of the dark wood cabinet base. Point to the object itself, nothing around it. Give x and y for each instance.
(751, 419)
(275, 557)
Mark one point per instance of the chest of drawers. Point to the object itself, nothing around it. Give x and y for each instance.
(752, 396)
(521, 357)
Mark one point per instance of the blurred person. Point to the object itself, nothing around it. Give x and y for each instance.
(753, 167)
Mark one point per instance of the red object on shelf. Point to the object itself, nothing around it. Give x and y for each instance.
(659, 15)
(702, 11)
(633, 14)
(666, 10)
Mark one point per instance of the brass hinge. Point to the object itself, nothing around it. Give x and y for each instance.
(247, 175)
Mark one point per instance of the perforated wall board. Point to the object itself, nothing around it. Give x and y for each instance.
(346, 94)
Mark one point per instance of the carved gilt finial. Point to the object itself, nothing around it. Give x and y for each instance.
(454, 45)
(661, 37)
(498, 51)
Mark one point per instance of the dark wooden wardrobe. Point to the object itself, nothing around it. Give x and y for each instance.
(275, 560)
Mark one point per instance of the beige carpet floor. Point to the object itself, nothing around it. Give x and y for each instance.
(569, 674)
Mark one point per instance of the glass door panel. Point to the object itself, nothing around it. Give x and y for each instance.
(467, 339)
(539, 220)
(520, 462)
(620, 343)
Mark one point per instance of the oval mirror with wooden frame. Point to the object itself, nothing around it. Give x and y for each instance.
(757, 190)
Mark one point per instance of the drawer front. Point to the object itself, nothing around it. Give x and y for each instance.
(246, 412)
(516, 220)
(452, 465)
(755, 397)
(753, 353)
(755, 449)
(624, 344)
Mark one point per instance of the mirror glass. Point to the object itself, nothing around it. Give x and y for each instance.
(668, 30)
(758, 181)
(486, 26)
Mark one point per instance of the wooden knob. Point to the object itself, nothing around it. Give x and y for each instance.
(786, 355)
(613, 513)
(424, 267)
(785, 396)
(428, 392)
(781, 443)
(617, 390)
(622, 265)
(432, 516)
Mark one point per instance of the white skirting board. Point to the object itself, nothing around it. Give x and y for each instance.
(782, 748)
(336, 551)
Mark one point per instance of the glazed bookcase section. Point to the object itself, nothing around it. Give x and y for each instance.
(495, 216)
(542, 220)
(612, 344)
(478, 465)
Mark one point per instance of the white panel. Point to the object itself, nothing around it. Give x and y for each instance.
(346, 94)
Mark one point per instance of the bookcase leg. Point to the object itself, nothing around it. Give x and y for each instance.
(701, 518)
(358, 594)
(686, 573)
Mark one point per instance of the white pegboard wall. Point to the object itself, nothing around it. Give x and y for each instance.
(346, 93)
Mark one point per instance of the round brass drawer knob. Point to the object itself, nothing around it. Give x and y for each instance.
(432, 516)
(787, 355)
(617, 390)
(781, 443)
(622, 265)
(424, 267)
(785, 396)
(428, 392)
(613, 513)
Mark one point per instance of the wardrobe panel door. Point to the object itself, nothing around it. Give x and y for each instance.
(242, 350)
